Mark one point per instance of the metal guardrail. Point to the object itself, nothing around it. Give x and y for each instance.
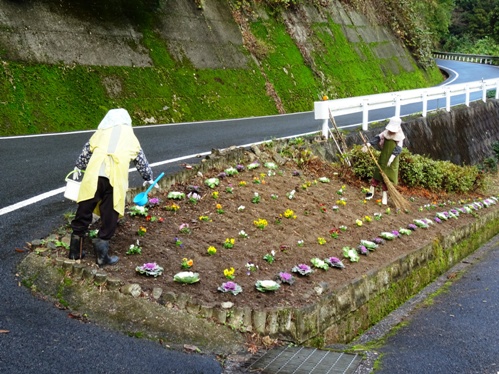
(364, 104)
(481, 59)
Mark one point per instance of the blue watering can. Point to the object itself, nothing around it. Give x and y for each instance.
(141, 199)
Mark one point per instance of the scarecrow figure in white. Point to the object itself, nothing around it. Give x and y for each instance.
(390, 141)
(105, 159)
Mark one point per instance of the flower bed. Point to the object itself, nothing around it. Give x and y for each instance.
(212, 226)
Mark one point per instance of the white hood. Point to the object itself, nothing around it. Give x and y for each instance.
(115, 117)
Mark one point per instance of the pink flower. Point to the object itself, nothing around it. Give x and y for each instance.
(150, 266)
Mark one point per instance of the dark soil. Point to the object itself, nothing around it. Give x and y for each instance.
(312, 204)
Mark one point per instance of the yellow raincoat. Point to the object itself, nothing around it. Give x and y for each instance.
(113, 146)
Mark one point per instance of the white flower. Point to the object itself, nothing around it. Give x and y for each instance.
(186, 277)
(266, 285)
(270, 165)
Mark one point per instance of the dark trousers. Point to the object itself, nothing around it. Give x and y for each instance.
(109, 217)
(375, 183)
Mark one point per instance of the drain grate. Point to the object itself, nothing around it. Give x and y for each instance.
(302, 360)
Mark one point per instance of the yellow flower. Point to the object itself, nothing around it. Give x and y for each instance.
(321, 241)
(211, 250)
(289, 214)
(242, 183)
(260, 223)
(358, 222)
(367, 219)
(173, 207)
(229, 273)
(214, 194)
(341, 202)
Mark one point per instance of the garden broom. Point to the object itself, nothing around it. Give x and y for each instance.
(397, 198)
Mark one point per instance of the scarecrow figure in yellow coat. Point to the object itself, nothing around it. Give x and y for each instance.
(390, 141)
(105, 159)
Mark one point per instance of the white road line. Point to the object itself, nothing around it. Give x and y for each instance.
(452, 80)
(30, 201)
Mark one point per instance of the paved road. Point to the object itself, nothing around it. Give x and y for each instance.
(42, 339)
(459, 332)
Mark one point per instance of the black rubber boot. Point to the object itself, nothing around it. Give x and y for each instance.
(101, 248)
(76, 251)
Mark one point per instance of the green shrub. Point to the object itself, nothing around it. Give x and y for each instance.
(362, 164)
(411, 169)
(495, 148)
(419, 171)
(433, 172)
(489, 165)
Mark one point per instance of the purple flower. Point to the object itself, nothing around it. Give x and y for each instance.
(222, 175)
(239, 167)
(378, 241)
(229, 286)
(303, 269)
(153, 201)
(149, 266)
(363, 250)
(296, 173)
(335, 262)
(286, 278)
(412, 226)
(438, 220)
(396, 233)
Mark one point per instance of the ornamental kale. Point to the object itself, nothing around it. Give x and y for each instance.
(334, 262)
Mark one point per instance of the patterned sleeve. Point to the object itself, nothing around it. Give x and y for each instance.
(375, 141)
(84, 157)
(142, 166)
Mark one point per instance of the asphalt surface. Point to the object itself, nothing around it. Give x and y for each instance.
(459, 332)
(450, 326)
(35, 337)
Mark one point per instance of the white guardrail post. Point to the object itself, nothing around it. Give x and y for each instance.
(364, 104)
(365, 114)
